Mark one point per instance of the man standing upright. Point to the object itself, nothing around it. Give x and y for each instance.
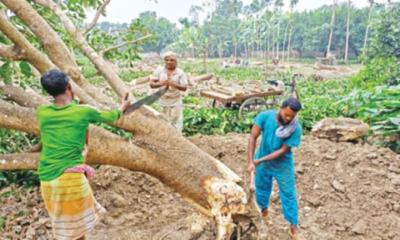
(280, 132)
(175, 80)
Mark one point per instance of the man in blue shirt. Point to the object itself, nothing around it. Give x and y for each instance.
(280, 132)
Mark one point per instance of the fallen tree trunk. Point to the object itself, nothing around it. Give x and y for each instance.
(202, 78)
(203, 184)
(13, 115)
(24, 98)
(320, 66)
(157, 148)
(141, 80)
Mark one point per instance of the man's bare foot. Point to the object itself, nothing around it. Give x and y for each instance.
(265, 216)
(295, 233)
(264, 212)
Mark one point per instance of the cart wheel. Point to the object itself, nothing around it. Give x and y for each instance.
(217, 104)
(273, 101)
(254, 104)
(214, 103)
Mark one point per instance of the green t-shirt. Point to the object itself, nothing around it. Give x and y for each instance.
(62, 132)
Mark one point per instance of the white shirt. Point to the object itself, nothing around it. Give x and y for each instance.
(173, 96)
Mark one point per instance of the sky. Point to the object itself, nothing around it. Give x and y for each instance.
(125, 10)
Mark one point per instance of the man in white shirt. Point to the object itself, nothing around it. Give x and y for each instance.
(175, 79)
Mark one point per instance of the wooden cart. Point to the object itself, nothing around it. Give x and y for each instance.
(246, 100)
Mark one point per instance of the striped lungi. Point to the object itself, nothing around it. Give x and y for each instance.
(71, 205)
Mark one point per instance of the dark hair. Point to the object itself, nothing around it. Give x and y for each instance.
(55, 82)
(293, 103)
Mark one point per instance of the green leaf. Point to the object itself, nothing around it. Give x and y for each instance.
(6, 72)
(3, 39)
(395, 121)
(25, 69)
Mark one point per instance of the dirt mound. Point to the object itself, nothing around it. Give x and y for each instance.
(346, 191)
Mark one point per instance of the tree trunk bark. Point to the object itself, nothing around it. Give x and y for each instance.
(245, 50)
(268, 47)
(235, 49)
(258, 42)
(205, 57)
(12, 53)
(273, 42)
(289, 49)
(328, 48)
(277, 38)
(367, 28)
(18, 95)
(284, 41)
(346, 51)
(202, 78)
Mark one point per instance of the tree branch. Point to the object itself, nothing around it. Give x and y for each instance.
(11, 52)
(102, 52)
(18, 118)
(19, 161)
(36, 58)
(101, 65)
(55, 48)
(97, 16)
(22, 97)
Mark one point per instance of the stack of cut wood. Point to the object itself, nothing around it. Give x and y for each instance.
(239, 91)
(319, 66)
(228, 91)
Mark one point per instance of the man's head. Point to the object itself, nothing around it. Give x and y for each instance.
(56, 83)
(171, 60)
(288, 111)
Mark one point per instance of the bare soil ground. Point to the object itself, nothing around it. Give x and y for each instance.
(345, 191)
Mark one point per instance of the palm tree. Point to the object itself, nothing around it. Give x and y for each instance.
(278, 6)
(346, 51)
(244, 36)
(371, 6)
(293, 3)
(267, 37)
(284, 44)
(328, 50)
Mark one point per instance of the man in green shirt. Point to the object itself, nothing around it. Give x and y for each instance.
(63, 128)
